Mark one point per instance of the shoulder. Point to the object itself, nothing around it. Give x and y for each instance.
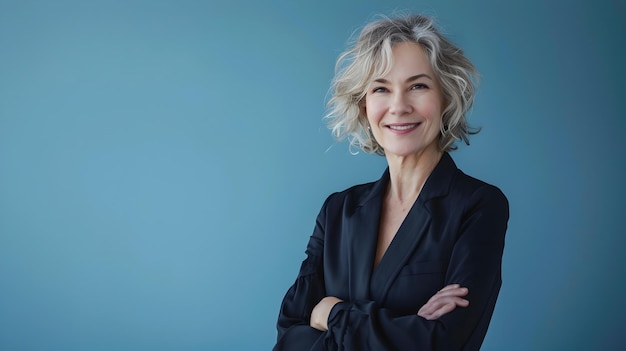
(352, 196)
(472, 195)
(347, 201)
(469, 185)
(449, 183)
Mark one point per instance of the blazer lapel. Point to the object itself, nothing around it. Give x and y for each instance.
(412, 229)
(399, 251)
(363, 238)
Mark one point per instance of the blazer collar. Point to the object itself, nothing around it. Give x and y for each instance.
(437, 184)
(440, 179)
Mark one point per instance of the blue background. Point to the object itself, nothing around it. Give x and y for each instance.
(162, 164)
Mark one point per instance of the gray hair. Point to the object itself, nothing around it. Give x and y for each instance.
(371, 55)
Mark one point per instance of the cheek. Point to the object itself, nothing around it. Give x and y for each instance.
(433, 114)
(373, 112)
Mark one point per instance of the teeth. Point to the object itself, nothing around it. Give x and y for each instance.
(405, 127)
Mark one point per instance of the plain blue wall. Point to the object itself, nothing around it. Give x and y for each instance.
(162, 164)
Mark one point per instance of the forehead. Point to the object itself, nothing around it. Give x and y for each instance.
(405, 58)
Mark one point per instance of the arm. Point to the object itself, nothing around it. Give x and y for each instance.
(294, 332)
(444, 301)
(475, 264)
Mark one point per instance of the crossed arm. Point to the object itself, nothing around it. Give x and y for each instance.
(444, 301)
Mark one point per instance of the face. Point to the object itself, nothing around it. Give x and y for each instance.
(404, 107)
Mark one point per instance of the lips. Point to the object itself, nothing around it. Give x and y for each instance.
(403, 127)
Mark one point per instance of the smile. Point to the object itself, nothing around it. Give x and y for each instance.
(402, 127)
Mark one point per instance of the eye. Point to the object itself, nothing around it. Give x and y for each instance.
(379, 90)
(419, 86)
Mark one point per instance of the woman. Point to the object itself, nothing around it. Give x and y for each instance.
(413, 260)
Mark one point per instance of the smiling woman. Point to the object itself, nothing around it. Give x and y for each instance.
(412, 261)
(403, 108)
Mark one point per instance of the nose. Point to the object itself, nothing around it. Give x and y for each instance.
(399, 104)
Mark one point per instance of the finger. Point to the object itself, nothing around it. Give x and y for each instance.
(440, 302)
(451, 286)
(444, 296)
(458, 291)
(437, 312)
(432, 308)
(441, 310)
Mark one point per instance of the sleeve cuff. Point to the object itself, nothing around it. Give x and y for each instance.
(339, 314)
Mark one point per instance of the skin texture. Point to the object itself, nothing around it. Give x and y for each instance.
(404, 110)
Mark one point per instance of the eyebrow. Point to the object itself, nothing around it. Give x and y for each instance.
(408, 80)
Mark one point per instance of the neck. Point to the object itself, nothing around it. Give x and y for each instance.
(408, 174)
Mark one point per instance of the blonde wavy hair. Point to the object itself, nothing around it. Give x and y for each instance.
(371, 56)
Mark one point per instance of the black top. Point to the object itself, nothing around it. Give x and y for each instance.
(454, 233)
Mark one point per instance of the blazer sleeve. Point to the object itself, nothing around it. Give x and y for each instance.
(475, 263)
(294, 330)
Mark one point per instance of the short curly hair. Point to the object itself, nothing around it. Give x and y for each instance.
(371, 55)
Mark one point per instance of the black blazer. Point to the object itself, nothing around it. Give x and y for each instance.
(454, 233)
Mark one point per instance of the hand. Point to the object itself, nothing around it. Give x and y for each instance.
(321, 311)
(444, 301)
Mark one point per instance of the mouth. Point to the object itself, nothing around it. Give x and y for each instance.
(403, 127)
